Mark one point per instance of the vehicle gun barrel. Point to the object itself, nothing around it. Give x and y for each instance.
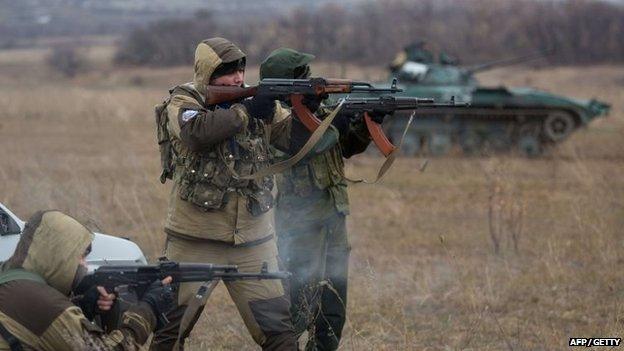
(506, 62)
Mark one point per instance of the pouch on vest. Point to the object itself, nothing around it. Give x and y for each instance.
(259, 202)
(301, 180)
(198, 187)
(336, 167)
(321, 171)
(206, 196)
(164, 141)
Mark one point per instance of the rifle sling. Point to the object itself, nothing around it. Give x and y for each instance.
(316, 136)
(194, 309)
(385, 167)
(280, 167)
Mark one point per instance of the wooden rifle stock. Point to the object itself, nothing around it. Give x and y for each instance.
(218, 94)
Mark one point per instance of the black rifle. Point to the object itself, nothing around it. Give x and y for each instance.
(359, 107)
(284, 88)
(129, 282)
(393, 103)
(295, 91)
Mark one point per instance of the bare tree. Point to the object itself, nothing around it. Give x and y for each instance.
(574, 31)
(67, 60)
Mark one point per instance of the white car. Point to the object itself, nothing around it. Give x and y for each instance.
(106, 249)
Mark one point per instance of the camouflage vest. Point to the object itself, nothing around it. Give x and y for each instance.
(205, 177)
(323, 172)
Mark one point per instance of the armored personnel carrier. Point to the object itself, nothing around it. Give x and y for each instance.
(498, 119)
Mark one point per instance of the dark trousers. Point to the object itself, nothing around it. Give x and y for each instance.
(318, 257)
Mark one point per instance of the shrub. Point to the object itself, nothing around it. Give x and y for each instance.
(66, 60)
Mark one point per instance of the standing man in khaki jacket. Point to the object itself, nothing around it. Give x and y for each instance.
(215, 216)
(311, 217)
(35, 310)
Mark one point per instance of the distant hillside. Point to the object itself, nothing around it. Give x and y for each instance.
(371, 32)
(165, 32)
(27, 19)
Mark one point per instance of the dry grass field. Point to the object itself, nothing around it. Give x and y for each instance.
(424, 271)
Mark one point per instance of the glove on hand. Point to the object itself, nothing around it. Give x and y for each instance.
(261, 106)
(160, 298)
(378, 114)
(88, 302)
(342, 122)
(313, 102)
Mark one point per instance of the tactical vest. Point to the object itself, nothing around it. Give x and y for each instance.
(205, 177)
(321, 172)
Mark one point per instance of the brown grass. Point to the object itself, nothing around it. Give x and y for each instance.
(424, 274)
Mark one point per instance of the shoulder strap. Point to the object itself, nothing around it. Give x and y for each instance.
(191, 91)
(5, 277)
(388, 162)
(19, 274)
(13, 342)
(281, 166)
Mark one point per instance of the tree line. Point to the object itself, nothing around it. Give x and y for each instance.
(573, 31)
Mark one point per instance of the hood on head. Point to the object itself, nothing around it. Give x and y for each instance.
(209, 54)
(51, 245)
(281, 63)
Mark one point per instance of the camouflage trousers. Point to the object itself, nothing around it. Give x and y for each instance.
(318, 257)
(262, 304)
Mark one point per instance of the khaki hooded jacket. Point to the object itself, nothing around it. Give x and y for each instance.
(38, 311)
(209, 127)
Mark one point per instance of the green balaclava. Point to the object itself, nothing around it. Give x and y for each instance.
(286, 63)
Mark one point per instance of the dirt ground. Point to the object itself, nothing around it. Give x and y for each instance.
(425, 274)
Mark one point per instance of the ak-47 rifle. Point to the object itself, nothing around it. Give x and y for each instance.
(129, 282)
(295, 90)
(388, 104)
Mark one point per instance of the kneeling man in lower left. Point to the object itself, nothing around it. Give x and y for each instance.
(36, 312)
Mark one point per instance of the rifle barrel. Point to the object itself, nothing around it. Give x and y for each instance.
(394, 103)
(371, 89)
(228, 276)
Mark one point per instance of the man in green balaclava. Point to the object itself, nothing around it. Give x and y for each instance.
(312, 205)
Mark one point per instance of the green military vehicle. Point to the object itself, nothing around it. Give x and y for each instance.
(498, 119)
